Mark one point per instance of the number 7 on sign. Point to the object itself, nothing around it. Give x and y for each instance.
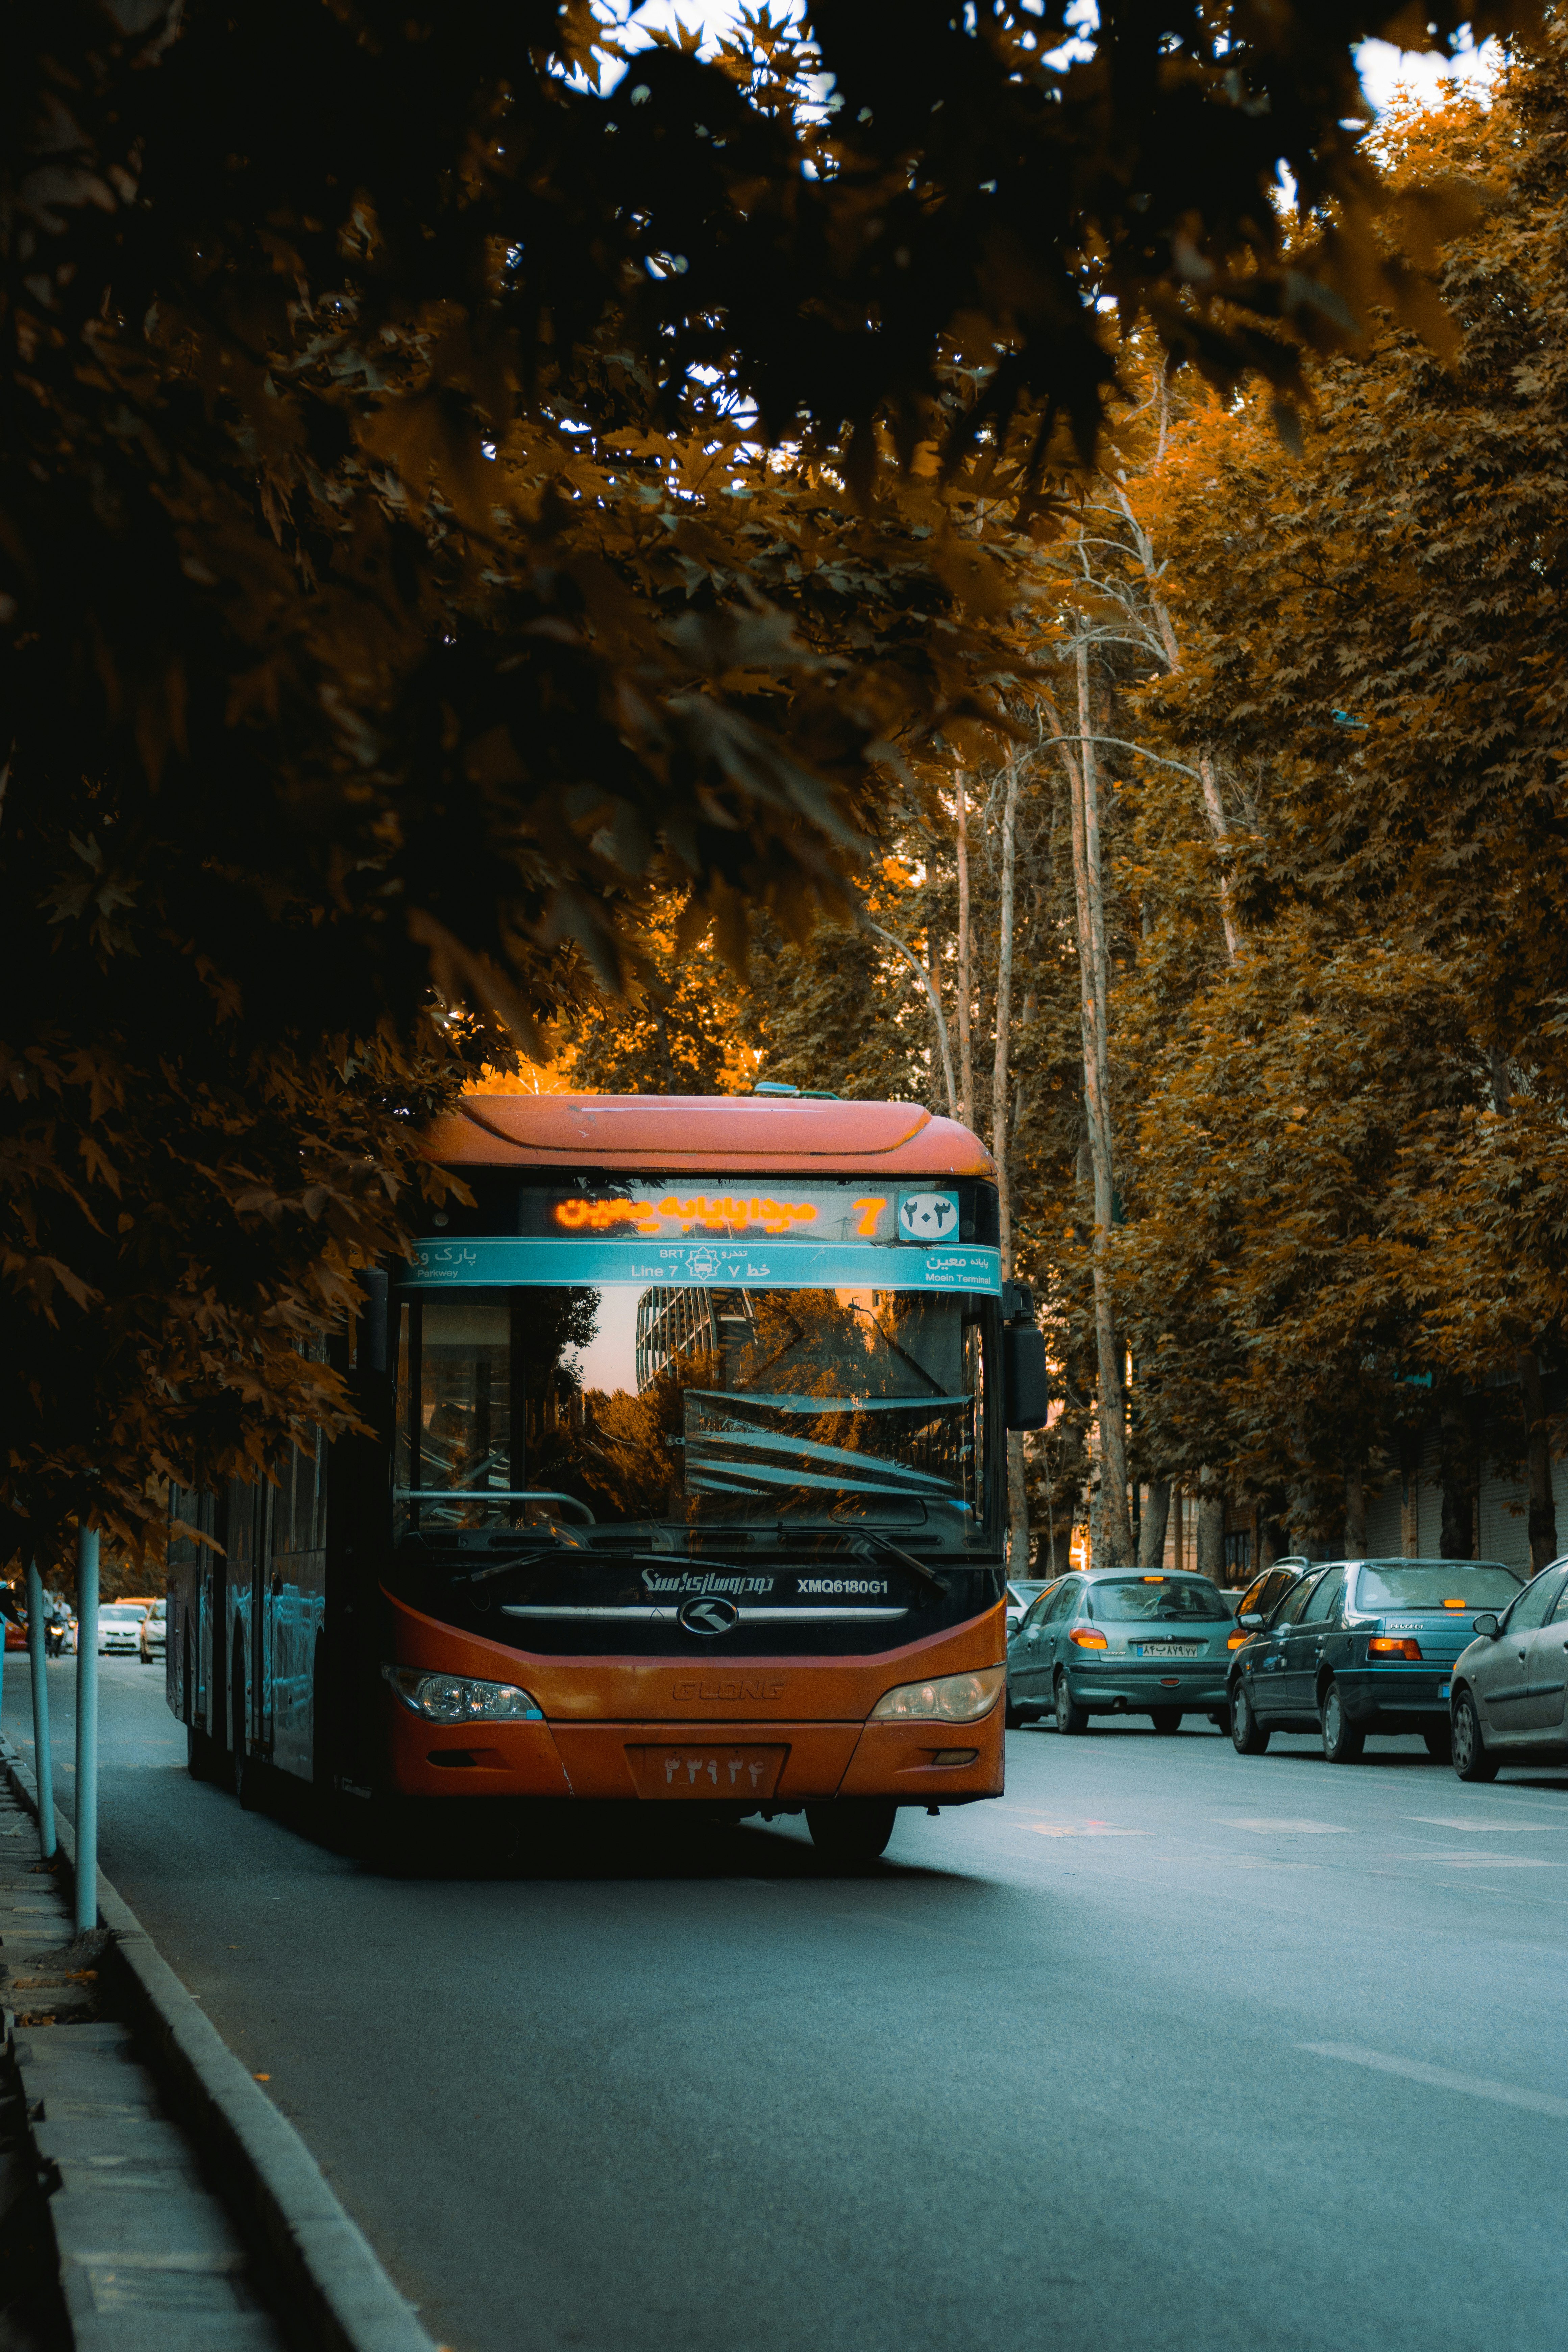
(870, 1216)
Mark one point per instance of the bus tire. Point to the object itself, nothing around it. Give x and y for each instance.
(202, 1755)
(851, 1830)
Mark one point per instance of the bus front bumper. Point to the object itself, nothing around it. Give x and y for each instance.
(756, 1766)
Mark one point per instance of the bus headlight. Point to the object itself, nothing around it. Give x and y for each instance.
(453, 1698)
(951, 1698)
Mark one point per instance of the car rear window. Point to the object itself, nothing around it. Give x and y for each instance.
(1430, 1583)
(1120, 1600)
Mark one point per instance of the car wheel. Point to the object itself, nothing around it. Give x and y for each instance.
(852, 1830)
(1070, 1717)
(1470, 1760)
(1342, 1743)
(1439, 1746)
(1248, 1736)
(1165, 1719)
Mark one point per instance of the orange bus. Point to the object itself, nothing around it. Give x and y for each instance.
(689, 1483)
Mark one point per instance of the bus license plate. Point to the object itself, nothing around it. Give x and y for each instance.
(701, 1771)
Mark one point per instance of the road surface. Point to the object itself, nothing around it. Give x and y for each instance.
(1170, 2047)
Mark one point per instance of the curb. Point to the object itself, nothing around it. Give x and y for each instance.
(331, 2293)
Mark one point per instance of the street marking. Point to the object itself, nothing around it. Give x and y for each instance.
(914, 1926)
(1483, 1861)
(1483, 1828)
(1087, 1829)
(1265, 1828)
(1507, 2095)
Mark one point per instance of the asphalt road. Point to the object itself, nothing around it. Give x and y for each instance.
(1170, 2047)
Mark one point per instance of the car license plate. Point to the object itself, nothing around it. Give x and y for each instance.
(1443, 1689)
(1170, 1648)
(702, 1771)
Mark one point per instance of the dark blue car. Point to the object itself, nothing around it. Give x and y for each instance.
(1362, 1646)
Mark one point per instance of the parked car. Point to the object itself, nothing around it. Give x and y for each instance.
(1021, 1591)
(119, 1627)
(1363, 1647)
(154, 1632)
(1510, 1682)
(1263, 1596)
(15, 1636)
(1119, 1641)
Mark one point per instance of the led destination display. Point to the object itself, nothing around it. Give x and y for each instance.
(927, 1216)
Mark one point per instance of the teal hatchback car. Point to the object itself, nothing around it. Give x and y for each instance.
(1117, 1642)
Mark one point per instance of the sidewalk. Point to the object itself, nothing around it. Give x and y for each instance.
(147, 2259)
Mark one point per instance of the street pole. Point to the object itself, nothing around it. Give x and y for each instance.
(86, 1730)
(43, 1766)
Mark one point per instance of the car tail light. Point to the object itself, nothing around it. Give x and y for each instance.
(1237, 1641)
(947, 1698)
(1083, 1638)
(1386, 1645)
(1456, 1604)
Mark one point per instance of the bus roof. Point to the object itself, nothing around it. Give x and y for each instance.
(705, 1131)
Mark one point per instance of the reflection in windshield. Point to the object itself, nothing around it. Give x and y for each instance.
(1157, 1598)
(1429, 1584)
(690, 1405)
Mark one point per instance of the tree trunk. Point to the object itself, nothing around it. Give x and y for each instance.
(1176, 1528)
(1538, 1455)
(999, 1091)
(932, 999)
(1017, 1492)
(1355, 1515)
(1214, 808)
(1155, 1519)
(1211, 1529)
(1458, 1477)
(1094, 997)
(965, 1007)
(1273, 1536)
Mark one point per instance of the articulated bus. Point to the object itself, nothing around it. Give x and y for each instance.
(686, 1486)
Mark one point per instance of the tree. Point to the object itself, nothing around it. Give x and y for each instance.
(395, 587)
(1364, 1187)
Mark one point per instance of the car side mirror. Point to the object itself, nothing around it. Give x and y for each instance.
(1025, 1386)
(1250, 1617)
(1486, 1624)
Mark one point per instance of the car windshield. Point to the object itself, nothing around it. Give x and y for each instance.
(612, 1410)
(1119, 1599)
(1434, 1584)
(122, 1616)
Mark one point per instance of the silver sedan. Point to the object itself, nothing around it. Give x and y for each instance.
(1510, 1696)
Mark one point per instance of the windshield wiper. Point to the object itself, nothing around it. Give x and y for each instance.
(548, 1550)
(868, 1546)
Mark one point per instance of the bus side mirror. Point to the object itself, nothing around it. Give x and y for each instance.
(1025, 1389)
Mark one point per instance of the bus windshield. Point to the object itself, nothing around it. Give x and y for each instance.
(605, 1410)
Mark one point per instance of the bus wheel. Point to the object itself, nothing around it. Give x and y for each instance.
(851, 1829)
(203, 1756)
